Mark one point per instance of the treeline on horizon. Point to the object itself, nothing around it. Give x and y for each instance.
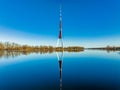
(107, 48)
(7, 46)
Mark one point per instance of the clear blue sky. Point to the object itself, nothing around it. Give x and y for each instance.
(82, 19)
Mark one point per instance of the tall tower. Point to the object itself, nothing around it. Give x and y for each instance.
(60, 41)
(60, 44)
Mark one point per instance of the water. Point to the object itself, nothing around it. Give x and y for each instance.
(88, 70)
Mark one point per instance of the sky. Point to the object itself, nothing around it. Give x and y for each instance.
(89, 23)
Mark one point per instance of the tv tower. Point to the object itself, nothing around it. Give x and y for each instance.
(60, 45)
(60, 41)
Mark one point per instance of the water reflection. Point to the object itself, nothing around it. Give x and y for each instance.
(60, 61)
(87, 70)
(96, 84)
(13, 54)
(104, 49)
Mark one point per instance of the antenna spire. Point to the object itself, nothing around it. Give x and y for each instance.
(61, 11)
(60, 32)
(60, 42)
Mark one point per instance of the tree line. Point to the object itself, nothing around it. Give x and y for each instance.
(7, 46)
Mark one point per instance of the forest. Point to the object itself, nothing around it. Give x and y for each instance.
(7, 46)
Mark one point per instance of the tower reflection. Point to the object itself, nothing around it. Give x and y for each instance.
(60, 61)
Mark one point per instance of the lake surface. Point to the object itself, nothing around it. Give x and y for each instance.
(88, 70)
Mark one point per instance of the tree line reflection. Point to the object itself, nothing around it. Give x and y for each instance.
(8, 49)
(13, 50)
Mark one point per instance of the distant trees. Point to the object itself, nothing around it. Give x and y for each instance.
(1, 46)
(8, 49)
(9, 46)
(112, 48)
(107, 48)
(74, 49)
(26, 48)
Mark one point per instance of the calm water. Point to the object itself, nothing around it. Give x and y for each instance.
(88, 70)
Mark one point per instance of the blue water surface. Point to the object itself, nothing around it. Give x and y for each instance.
(88, 70)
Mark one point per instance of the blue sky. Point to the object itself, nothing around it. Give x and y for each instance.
(85, 22)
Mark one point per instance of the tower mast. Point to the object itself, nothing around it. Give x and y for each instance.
(60, 41)
(60, 32)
